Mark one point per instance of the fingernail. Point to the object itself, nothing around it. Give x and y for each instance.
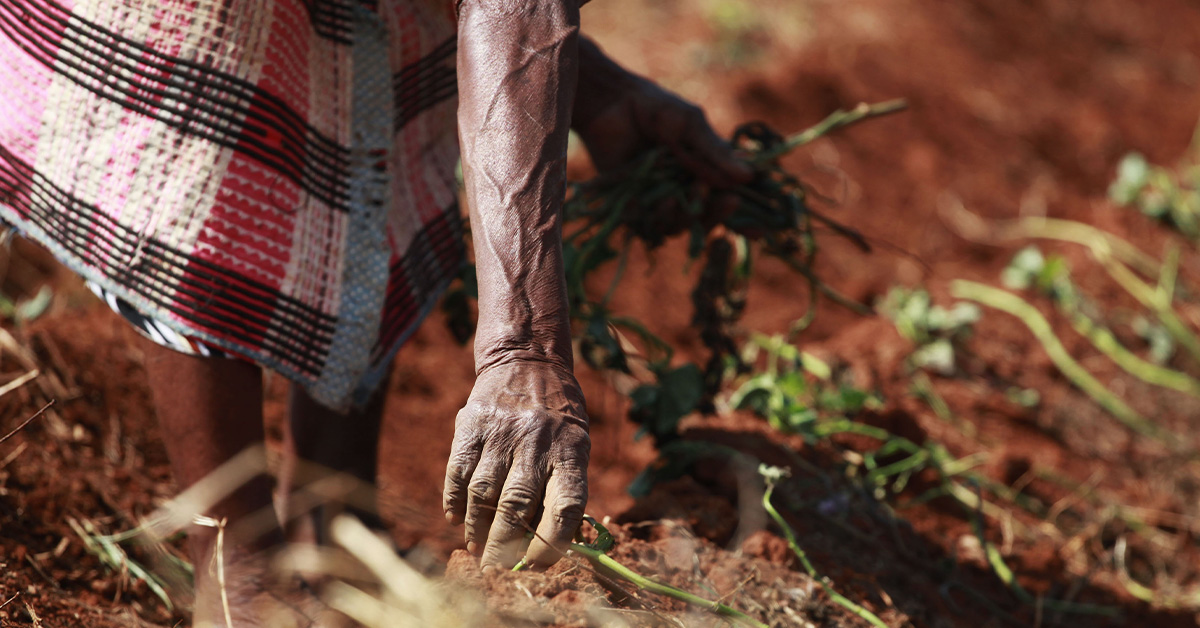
(473, 548)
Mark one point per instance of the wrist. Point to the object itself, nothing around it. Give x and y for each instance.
(494, 352)
(538, 331)
(602, 84)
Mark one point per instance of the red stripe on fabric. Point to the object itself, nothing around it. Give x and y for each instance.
(288, 57)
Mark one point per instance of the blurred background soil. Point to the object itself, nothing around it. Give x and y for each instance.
(1016, 109)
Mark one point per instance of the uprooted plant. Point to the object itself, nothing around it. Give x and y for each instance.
(607, 216)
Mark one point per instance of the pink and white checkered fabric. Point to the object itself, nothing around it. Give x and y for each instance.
(273, 177)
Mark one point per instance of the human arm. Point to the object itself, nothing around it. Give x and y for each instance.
(521, 441)
(620, 115)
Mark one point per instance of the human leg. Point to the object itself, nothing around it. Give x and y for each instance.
(209, 410)
(321, 442)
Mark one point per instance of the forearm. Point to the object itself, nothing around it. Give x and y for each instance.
(517, 73)
(601, 83)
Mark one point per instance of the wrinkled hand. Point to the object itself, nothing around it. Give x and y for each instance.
(519, 462)
(643, 116)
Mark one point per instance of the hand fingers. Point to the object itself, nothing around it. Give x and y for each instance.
(722, 165)
(464, 456)
(514, 515)
(566, 497)
(720, 206)
(483, 493)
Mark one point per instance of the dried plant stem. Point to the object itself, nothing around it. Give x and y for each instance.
(18, 382)
(219, 560)
(26, 422)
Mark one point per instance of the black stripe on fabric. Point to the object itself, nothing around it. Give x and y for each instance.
(149, 326)
(425, 83)
(69, 230)
(234, 85)
(404, 296)
(200, 309)
(439, 54)
(330, 19)
(281, 303)
(313, 162)
(408, 111)
(435, 253)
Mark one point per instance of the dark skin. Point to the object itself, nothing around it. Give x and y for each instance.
(520, 452)
(521, 443)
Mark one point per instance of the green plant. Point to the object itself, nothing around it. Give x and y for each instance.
(1124, 263)
(936, 331)
(795, 392)
(597, 554)
(607, 216)
(109, 548)
(772, 476)
(1067, 365)
(1052, 277)
(1172, 197)
(27, 309)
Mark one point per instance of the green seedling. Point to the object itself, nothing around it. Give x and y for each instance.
(109, 549)
(772, 476)
(1067, 365)
(596, 553)
(936, 331)
(1172, 197)
(795, 392)
(1052, 277)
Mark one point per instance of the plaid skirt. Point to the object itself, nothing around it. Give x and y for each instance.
(271, 178)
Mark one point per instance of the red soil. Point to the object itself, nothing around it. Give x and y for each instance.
(1016, 108)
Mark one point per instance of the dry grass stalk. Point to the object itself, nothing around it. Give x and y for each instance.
(401, 597)
(219, 561)
(26, 422)
(19, 382)
(180, 512)
(33, 616)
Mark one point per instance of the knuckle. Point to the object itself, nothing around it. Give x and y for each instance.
(482, 489)
(465, 416)
(572, 456)
(458, 470)
(517, 502)
(569, 510)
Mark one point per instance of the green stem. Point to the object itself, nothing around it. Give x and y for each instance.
(788, 534)
(1116, 256)
(1107, 343)
(1033, 319)
(1102, 244)
(835, 120)
(1006, 575)
(601, 560)
(1155, 301)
